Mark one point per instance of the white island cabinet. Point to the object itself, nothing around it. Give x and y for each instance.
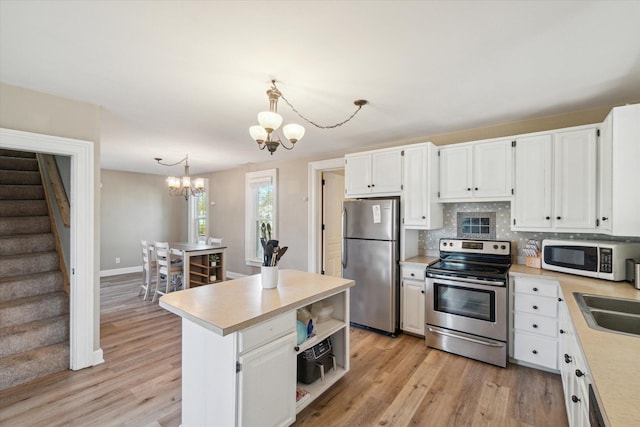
(239, 347)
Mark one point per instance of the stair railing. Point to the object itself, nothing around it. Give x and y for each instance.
(60, 213)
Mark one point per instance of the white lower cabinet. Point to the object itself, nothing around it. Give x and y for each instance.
(535, 322)
(576, 377)
(413, 300)
(267, 381)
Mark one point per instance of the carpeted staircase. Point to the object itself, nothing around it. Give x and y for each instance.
(34, 308)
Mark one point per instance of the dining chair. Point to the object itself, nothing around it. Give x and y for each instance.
(148, 265)
(169, 271)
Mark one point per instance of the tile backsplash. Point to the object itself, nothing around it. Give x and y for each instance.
(428, 240)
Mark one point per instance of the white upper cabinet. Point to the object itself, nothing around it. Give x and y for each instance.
(555, 181)
(531, 207)
(373, 173)
(420, 207)
(619, 172)
(477, 171)
(575, 179)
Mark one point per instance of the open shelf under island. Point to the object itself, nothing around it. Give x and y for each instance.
(239, 347)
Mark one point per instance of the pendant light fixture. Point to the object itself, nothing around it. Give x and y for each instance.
(183, 185)
(266, 133)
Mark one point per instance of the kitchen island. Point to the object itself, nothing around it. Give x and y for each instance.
(239, 347)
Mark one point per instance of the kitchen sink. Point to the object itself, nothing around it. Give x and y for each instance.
(611, 314)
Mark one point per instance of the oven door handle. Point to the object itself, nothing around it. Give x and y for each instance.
(467, 280)
(474, 340)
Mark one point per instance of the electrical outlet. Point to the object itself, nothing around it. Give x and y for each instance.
(117, 260)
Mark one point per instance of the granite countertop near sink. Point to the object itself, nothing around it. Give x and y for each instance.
(613, 359)
(420, 260)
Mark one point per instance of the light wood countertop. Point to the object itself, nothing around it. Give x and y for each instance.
(613, 359)
(420, 260)
(234, 305)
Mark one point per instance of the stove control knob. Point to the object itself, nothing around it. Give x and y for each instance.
(495, 246)
(450, 243)
(503, 247)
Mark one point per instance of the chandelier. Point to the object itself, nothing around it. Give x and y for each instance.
(183, 185)
(266, 133)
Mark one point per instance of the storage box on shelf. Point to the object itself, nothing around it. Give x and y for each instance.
(535, 322)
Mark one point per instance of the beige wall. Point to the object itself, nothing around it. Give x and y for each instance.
(30, 111)
(227, 187)
(137, 206)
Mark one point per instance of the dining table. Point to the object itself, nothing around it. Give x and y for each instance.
(203, 264)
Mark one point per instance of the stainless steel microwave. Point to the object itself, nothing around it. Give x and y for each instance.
(592, 258)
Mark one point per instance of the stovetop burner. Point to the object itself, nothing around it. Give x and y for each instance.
(479, 259)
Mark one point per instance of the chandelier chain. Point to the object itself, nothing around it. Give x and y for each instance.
(311, 121)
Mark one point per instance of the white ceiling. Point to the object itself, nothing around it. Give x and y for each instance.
(178, 77)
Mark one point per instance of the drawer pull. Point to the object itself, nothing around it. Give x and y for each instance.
(535, 352)
(535, 307)
(535, 326)
(567, 358)
(413, 275)
(535, 289)
(579, 373)
(562, 331)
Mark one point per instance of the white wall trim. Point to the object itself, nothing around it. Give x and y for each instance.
(82, 230)
(116, 271)
(314, 264)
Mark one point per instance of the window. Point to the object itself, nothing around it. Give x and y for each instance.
(199, 216)
(260, 208)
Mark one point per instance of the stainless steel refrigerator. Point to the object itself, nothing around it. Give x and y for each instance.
(370, 255)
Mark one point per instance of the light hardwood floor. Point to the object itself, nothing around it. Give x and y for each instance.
(392, 381)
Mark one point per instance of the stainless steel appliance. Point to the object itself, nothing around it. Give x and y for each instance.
(370, 254)
(633, 272)
(592, 258)
(466, 299)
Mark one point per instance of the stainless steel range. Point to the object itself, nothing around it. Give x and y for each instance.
(466, 299)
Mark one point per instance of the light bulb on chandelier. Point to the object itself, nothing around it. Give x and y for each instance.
(266, 133)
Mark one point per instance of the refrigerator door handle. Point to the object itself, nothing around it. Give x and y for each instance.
(344, 233)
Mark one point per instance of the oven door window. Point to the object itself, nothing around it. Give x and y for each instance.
(463, 301)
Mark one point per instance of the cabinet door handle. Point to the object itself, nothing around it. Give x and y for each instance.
(574, 398)
(547, 217)
(296, 348)
(468, 188)
(412, 274)
(535, 326)
(579, 373)
(604, 218)
(567, 358)
(562, 331)
(535, 289)
(558, 217)
(535, 307)
(369, 186)
(422, 291)
(476, 189)
(373, 185)
(535, 352)
(424, 217)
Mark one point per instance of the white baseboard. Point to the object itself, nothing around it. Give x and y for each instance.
(98, 357)
(232, 275)
(116, 271)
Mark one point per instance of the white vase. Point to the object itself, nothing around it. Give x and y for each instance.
(269, 277)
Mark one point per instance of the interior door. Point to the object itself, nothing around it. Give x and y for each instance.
(332, 197)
